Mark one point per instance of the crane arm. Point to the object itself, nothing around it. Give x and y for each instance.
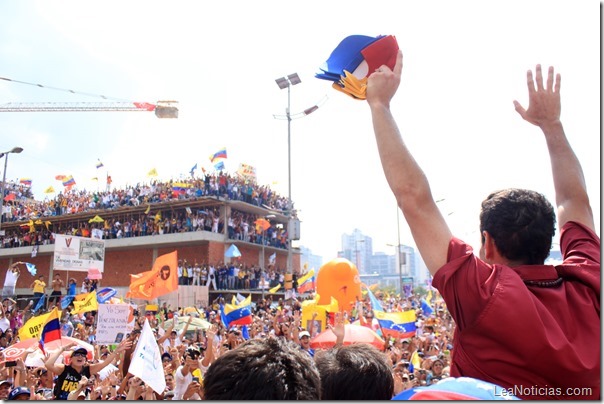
(163, 109)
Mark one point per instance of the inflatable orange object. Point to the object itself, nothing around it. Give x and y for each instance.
(339, 278)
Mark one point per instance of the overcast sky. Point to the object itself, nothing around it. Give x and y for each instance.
(464, 64)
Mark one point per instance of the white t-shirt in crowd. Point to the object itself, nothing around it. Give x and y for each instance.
(4, 324)
(11, 278)
(181, 383)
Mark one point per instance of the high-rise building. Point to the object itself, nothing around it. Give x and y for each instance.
(310, 260)
(358, 249)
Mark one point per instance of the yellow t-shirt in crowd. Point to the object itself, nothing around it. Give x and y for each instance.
(39, 286)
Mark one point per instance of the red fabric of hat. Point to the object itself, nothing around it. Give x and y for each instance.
(381, 52)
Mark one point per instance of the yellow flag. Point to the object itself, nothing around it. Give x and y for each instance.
(85, 302)
(275, 289)
(33, 327)
(305, 277)
(152, 173)
(415, 360)
(148, 209)
(49, 190)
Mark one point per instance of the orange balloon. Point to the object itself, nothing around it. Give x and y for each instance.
(339, 278)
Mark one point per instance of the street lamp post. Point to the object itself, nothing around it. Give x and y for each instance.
(283, 83)
(288, 82)
(5, 155)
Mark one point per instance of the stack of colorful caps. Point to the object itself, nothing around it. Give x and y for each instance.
(354, 59)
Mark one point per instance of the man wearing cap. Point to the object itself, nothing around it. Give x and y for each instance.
(46, 384)
(5, 386)
(303, 339)
(19, 393)
(69, 375)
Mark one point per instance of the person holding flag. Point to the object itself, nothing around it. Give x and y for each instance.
(12, 274)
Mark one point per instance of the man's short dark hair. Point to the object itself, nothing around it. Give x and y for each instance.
(267, 369)
(355, 372)
(522, 224)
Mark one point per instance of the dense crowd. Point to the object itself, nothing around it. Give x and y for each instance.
(240, 225)
(194, 355)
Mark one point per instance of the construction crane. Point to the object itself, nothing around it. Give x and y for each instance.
(163, 109)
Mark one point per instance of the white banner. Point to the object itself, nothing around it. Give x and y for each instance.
(146, 361)
(78, 253)
(114, 322)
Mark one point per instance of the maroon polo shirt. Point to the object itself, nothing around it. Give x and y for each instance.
(543, 342)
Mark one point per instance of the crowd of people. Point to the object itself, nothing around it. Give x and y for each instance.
(39, 228)
(198, 361)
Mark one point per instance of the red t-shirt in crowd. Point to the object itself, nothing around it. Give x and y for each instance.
(543, 342)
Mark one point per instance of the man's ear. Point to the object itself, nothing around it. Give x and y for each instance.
(491, 252)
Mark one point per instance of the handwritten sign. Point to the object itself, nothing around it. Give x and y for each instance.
(114, 322)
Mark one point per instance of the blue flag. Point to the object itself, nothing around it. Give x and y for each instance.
(375, 303)
(245, 333)
(31, 268)
(40, 303)
(71, 294)
(193, 169)
(426, 308)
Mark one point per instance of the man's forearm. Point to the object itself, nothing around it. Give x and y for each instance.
(569, 181)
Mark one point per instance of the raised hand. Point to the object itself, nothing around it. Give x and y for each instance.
(544, 102)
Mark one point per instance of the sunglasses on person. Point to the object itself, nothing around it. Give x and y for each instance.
(79, 354)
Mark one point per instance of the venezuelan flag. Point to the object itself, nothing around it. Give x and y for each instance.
(220, 154)
(68, 181)
(307, 285)
(237, 314)
(25, 181)
(51, 330)
(398, 324)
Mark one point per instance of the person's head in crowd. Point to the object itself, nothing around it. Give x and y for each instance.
(45, 377)
(78, 358)
(170, 382)
(269, 369)
(355, 372)
(5, 386)
(166, 358)
(192, 356)
(233, 334)
(19, 393)
(437, 369)
(304, 337)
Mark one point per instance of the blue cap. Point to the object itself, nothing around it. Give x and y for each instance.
(17, 392)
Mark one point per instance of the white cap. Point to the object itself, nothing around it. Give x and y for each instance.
(304, 334)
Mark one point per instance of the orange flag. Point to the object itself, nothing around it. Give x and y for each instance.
(160, 280)
(262, 225)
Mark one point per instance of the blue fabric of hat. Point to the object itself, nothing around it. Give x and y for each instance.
(346, 56)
